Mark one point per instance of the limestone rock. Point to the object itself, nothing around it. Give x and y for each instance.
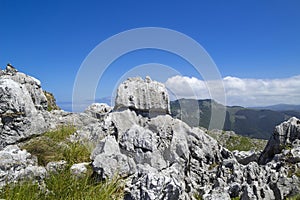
(109, 162)
(159, 157)
(17, 164)
(146, 97)
(245, 157)
(55, 166)
(32, 85)
(19, 117)
(98, 110)
(284, 134)
(79, 169)
(156, 155)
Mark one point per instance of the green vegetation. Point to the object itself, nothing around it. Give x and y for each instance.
(232, 141)
(296, 197)
(198, 196)
(239, 143)
(212, 166)
(54, 146)
(65, 186)
(292, 171)
(235, 198)
(51, 101)
(61, 133)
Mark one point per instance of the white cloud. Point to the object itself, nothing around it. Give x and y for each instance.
(244, 92)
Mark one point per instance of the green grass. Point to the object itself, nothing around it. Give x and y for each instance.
(54, 146)
(296, 197)
(212, 166)
(239, 143)
(76, 153)
(45, 149)
(198, 196)
(61, 133)
(292, 171)
(65, 186)
(21, 190)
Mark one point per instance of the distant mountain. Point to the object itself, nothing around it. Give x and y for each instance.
(280, 107)
(255, 123)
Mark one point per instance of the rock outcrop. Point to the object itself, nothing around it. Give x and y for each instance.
(22, 102)
(17, 164)
(158, 157)
(98, 110)
(147, 97)
(284, 135)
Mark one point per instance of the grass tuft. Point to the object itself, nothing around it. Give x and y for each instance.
(65, 186)
(54, 146)
(61, 133)
(296, 197)
(62, 185)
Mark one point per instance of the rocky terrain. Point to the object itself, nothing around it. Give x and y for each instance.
(157, 156)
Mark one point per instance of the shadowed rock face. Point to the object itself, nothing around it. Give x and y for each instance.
(146, 97)
(284, 135)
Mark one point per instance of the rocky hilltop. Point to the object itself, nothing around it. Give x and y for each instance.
(157, 156)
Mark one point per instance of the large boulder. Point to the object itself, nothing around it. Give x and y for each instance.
(284, 135)
(32, 85)
(146, 97)
(22, 104)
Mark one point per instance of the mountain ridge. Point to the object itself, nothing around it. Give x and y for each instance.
(250, 122)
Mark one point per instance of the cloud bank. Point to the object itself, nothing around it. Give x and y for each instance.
(243, 92)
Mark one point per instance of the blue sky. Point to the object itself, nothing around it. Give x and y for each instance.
(249, 40)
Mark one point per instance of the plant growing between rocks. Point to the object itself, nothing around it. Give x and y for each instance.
(54, 146)
(65, 186)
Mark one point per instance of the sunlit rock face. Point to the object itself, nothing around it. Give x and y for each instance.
(22, 102)
(146, 97)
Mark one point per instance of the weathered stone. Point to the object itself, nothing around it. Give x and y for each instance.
(245, 157)
(56, 166)
(146, 97)
(32, 85)
(98, 110)
(217, 195)
(79, 169)
(160, 157)
(284, 134)
(108, 160)
(19, 116)
(17, 164)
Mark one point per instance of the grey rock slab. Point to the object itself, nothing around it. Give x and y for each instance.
(79, 169)
(98, 110)
(284, 134)
(17, 164)
(147, 97)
